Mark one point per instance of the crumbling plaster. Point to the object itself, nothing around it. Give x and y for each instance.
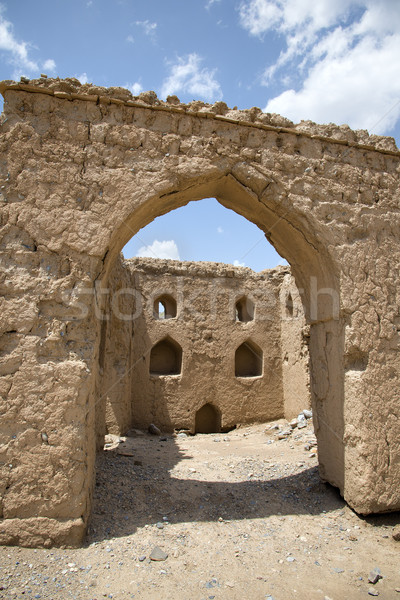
(82, 169)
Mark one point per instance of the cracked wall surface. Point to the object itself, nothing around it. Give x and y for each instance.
(84, 168)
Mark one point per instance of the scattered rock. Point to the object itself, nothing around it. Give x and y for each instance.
(284, 434)
(373, 592)
(307, 413)
(125, 453)
(153, 429)
(396, 533)
(374, 575)
(158, 554)
(135, 432)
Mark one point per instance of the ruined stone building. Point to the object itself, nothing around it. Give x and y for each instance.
(209, 346)
(84, 168)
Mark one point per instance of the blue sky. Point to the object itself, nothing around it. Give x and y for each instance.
(324, 60)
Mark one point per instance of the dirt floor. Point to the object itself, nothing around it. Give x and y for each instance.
(240, 515)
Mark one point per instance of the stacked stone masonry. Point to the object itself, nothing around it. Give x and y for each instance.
(84, 168)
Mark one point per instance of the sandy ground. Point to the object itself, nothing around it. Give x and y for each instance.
(241, 515)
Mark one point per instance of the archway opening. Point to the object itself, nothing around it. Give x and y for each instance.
(208, 419)
(315, 275)
(204, 230)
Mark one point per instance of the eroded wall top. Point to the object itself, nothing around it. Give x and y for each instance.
(71, 89)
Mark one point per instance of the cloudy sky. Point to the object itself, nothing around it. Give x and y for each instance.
(324, 60)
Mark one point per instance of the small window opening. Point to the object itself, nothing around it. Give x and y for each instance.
(208, 419)
(289, 305)
(244, 310)
(248, 360)
(161, 310)
(166, 358)
(165, 307)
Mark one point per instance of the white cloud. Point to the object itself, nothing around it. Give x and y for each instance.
(220, 230)
(304, 17)
(259, 16)
(130, 39)
(237, 263)
(148, 27)
(83, 78)
(209, 3)
(187, 76)
(357, 88)
(164, 249)
(136, 88)
(345, 53)
(18, 50)
(49, 65)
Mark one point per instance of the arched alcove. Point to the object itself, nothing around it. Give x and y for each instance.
(208, 419)
(248, 360)
(164, 307)
(289, 305)
(166, 358)
(244, 309)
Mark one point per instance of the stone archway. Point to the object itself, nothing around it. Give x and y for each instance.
(83, 169)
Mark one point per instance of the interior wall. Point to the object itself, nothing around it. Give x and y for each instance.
(205, 337)
(114, 414)
(295, 334)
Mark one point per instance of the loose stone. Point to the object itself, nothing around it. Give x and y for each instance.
(153, 429)
(157, 554)
(374, 575)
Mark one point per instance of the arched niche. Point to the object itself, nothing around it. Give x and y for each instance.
(208, 419)
(164, 307)
(166, 358)
(289, 305)
(244, 309)
(248, 360)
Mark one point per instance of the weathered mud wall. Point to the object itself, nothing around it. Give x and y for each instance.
(116, 354)
(294, 347)
(82, 169)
